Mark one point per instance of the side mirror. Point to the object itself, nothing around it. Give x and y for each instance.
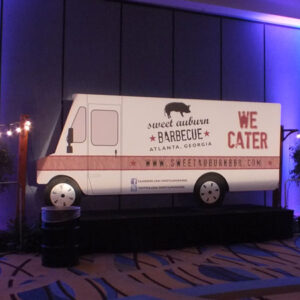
(70, 140)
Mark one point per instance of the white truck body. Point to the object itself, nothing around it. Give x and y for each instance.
(132, 145)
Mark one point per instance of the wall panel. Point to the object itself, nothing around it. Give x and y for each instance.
(242, 60)
(146, 69)
(92, 60)
(146, 51)
(196, 56)
(243, 76)
(92, 47)
(282, 86)
(196, 64)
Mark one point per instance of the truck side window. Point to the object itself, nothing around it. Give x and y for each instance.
(104, 127)
(79, 125)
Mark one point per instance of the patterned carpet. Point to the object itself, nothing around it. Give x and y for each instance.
(269, 270)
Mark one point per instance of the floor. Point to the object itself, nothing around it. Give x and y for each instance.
(268, 270)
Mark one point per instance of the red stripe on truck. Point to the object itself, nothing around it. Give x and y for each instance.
(105, 163)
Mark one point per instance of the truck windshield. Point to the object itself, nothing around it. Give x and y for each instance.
(79, 126)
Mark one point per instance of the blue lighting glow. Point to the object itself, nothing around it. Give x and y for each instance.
(282, 86)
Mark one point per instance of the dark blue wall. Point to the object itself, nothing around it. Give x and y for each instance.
(196, 64)
(242, 60)
(52, 49)
(146, 64)
(243, 75)
(197, 58)
(91, 47)
(146, 51)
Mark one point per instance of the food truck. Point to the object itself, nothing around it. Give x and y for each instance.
(140, 145)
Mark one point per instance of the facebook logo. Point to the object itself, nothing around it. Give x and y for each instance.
(133, 184)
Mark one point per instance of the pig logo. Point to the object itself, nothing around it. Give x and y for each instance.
(178, 107)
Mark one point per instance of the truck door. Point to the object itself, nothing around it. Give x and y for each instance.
(104, 160)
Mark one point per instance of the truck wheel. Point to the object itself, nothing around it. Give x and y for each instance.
(210, 189)
(62, 191)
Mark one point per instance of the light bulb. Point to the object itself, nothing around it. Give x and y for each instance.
(18, 129)
(9, 132)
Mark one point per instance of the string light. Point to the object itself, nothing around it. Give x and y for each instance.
(14, 128)
(27, 125)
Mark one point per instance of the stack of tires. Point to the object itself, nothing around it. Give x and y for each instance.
(60, 236)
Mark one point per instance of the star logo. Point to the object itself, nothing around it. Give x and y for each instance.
(206, 133)
(133, 163)
(152, 138)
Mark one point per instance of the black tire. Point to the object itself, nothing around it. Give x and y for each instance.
(62, 191)
(210, 189)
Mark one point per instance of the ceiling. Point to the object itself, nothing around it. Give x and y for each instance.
(281, 12)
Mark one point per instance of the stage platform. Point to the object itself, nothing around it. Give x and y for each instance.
(168, 228)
